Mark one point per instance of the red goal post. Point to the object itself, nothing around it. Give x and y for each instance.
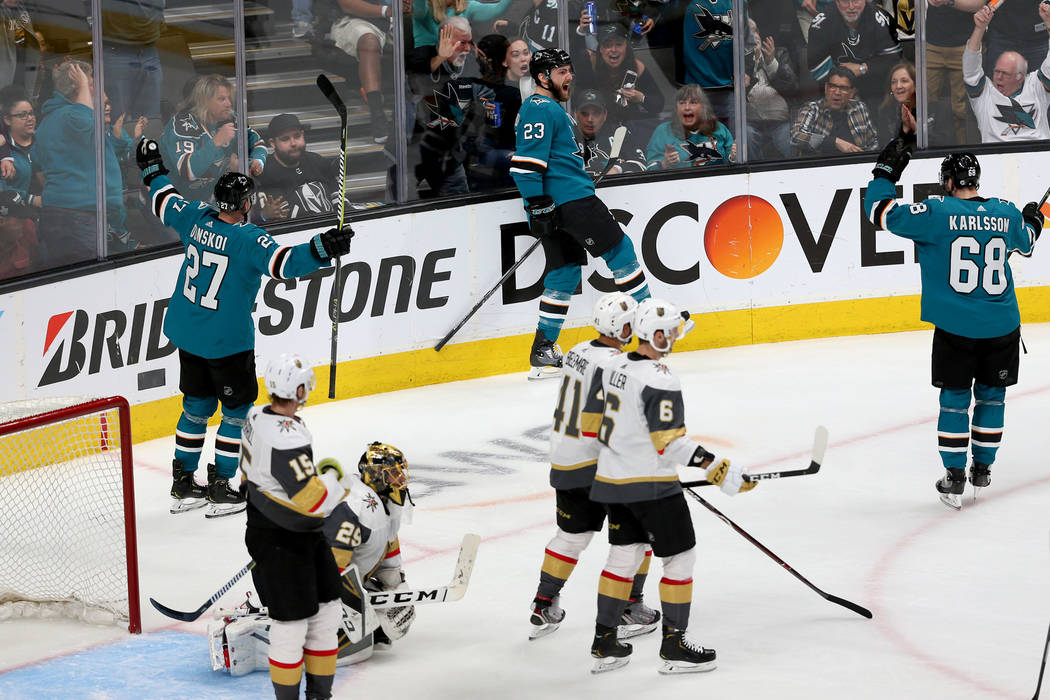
(67, 511)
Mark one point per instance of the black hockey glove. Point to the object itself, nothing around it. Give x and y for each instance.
(332, 243)
(1033, 217)
(893, 159)
(701, 458)
(541, 215)
(147, 155)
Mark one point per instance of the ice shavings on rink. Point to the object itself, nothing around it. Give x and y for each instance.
(166, 664)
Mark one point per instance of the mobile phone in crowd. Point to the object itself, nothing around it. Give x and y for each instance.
(629, 79)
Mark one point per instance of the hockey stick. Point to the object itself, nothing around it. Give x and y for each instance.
(191, 616)
(1042, 666)
(864, 612)
(614, 157)
(326, 87)
(454, 590)
(820, 443)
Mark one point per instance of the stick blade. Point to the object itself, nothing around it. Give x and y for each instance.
(617, 141)
(859, 609)
(820, 445)
(328, 90)
(468, 553)
(175, 614)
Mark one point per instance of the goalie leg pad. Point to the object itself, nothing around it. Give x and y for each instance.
(247, 645)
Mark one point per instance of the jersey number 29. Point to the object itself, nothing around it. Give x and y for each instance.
(966, 274)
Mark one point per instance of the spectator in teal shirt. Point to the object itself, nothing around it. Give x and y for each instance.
(428, 14)
(693, 137)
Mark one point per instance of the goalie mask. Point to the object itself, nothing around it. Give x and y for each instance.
(383, 468)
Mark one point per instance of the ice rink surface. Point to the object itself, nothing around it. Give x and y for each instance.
(961, 599)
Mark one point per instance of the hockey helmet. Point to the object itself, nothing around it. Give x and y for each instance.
(546, 60)
(285, 374)
(654, 315)
(383, 467)
(962, 168)
(232, 190)
(611, 312)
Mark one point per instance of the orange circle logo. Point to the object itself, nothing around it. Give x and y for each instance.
(743, 237)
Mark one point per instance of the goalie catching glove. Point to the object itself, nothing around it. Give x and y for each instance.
(721, 473)
(331, 244)
(394, 621)
(150, 162)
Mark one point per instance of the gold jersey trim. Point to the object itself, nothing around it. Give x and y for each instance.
(635, 479)
(573, 467)
(663, 438)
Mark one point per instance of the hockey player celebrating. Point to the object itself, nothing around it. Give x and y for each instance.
(642, 439)
(563, 210)
(295, 573)
(574, 454)
(964, 242)
(209, 318)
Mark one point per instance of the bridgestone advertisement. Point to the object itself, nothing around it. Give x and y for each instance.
(768, 239)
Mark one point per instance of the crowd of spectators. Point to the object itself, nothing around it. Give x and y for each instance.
(821, 77)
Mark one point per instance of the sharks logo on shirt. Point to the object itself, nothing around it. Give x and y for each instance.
(1016, 117)
(712, 29)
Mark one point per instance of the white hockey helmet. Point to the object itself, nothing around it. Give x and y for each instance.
(658, 315)
(286, 373)
(611, 312)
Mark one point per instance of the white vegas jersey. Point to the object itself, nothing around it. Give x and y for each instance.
(278, 470)
(1020, 117)
(642, 432)
(573, 449)
(363, 528)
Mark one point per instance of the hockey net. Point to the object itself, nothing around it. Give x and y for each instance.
(67, 511)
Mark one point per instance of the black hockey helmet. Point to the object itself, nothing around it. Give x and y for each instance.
(962, 168)
(546, 60)
(232, 190)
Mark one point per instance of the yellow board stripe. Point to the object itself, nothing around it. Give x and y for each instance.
(485, 358)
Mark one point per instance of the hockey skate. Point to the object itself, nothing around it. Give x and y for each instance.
(951, 487)
(980, 477)
(186, 494)
(682, 654)
(545, 358)
(546, 617)
(637, 619)
(608, 652)
(222, 499)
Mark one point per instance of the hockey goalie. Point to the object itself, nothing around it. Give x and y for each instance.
(362, 531)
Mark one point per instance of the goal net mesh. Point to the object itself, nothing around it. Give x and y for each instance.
(63, 541)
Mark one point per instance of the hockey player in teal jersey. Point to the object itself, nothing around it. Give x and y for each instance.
(209, 318)
(548, 168)
(964, 242)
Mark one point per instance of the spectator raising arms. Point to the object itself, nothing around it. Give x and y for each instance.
(64, 149)
(693, 136)
(628, 89)
(769, 76)
(836, 123)
(1012, 105)
(427, 15)
(490, 135)
(859, 36)
(201, 139)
